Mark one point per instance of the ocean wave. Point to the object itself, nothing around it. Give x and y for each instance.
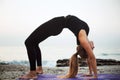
(106, 54)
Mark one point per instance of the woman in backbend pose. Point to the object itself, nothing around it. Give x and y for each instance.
(54, 27)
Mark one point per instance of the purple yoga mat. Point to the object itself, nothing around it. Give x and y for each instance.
(78, 77)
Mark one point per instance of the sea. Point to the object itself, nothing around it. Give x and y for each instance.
(50, 55)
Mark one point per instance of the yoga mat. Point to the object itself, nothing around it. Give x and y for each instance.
(78, 77)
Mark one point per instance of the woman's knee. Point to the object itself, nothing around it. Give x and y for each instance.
(28, 42)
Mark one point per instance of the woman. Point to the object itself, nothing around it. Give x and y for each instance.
(51, 28)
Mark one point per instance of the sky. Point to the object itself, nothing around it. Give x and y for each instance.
(18, 18)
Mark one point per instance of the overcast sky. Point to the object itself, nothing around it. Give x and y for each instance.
(18, 18)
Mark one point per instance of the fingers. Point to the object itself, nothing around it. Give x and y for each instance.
(91, 44)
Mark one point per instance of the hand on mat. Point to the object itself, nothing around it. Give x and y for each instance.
(90, 76)
(65, 76)
(87, 75)
(62, 77)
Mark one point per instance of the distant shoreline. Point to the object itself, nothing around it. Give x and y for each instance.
(63, 62)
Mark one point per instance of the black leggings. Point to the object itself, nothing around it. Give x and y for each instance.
(52, 27)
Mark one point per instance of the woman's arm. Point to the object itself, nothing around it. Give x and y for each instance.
(90, 68)
(88, 62)
(89, 65)
(85, 44)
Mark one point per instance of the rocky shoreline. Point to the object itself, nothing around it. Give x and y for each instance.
(82, 62)
(13, 71)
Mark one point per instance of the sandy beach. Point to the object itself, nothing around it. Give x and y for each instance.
(12, 72)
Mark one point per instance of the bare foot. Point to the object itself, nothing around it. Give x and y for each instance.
(39, 70)
(30, 75)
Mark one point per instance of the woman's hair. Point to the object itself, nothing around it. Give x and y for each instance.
(73, 63)
(81, 52)
(73, 66)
